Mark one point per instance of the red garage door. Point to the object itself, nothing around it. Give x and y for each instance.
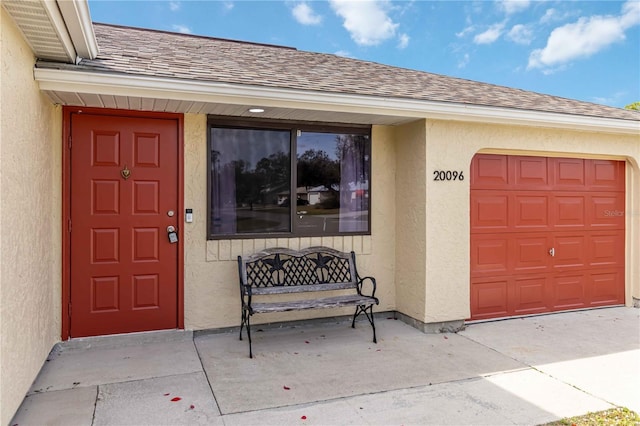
(547, 234)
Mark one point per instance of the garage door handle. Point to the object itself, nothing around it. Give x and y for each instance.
(552, 252)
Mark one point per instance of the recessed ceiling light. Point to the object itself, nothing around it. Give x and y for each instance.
(256, 110)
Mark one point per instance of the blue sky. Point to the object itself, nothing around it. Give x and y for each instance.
(586, 50)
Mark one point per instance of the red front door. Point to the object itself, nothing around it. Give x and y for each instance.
(123, 196)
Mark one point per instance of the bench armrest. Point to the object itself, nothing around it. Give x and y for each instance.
(372, 282)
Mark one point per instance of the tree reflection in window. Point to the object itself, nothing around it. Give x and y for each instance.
(249, 168)
(333, 182)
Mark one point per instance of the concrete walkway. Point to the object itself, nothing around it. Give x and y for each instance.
(520, 371)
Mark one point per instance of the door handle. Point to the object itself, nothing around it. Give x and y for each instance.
(552, 252)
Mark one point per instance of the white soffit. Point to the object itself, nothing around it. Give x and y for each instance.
(56, 30)
(43, 28)
(172, 95)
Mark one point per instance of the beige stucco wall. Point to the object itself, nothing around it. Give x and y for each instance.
(211, 272)
(30, 194)
(451, 146)
(411, 225)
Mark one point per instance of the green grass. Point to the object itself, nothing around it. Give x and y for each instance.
(615, 416)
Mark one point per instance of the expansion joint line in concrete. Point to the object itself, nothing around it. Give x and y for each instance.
(95, 405)
(206, 376)
(533, 367)
(573, 386)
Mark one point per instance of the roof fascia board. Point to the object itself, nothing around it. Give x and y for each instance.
(208, 92)
(78, 22)
(60, 27)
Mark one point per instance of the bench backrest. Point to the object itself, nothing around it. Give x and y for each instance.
(280, 270)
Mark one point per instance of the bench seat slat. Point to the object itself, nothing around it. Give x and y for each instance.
(327, 302)
(257, 291)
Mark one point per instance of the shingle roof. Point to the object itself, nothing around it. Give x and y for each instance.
(154, 53)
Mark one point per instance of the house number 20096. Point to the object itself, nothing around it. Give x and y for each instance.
(442, 175)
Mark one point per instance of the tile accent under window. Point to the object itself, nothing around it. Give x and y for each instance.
(229, 250)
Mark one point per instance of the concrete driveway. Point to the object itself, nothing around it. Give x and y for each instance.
(519, 371)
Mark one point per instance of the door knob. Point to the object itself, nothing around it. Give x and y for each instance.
(552, 252)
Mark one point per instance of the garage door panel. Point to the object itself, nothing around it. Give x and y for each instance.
(607, 175)
(569, 211)
(607, 211)
(605, 289)
(569, 252)
(531, 212)
(531, 254)
(491, 211)
(606, 249)
(490, 255)
(489, 171)
(570, 174)
(530, 172)
(489, 298)
(569, 292)
(530, 295)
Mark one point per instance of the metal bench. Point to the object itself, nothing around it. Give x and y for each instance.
(312, 270)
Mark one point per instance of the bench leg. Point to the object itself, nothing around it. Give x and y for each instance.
(368, 312)
(246, 315)
(242, 321)
(249, 333)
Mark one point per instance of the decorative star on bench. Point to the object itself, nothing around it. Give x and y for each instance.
(322, 265)
(276, 263)
(322, 261)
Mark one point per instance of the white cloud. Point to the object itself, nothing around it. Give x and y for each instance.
(630, 14)
(520, 34)
(344, 53)
(174, 5)
(492, 34)
(513, 6)
(469, 29)
(549, 16)
(585, 37)
(181, 29)
(613, 99)
(553, 15)
(366, 21)
(228, 5)
(464, 61)
(305, 15)
(403, 41)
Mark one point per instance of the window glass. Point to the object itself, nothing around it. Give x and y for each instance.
(332, 183)
(287, 181)
(250, 175)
